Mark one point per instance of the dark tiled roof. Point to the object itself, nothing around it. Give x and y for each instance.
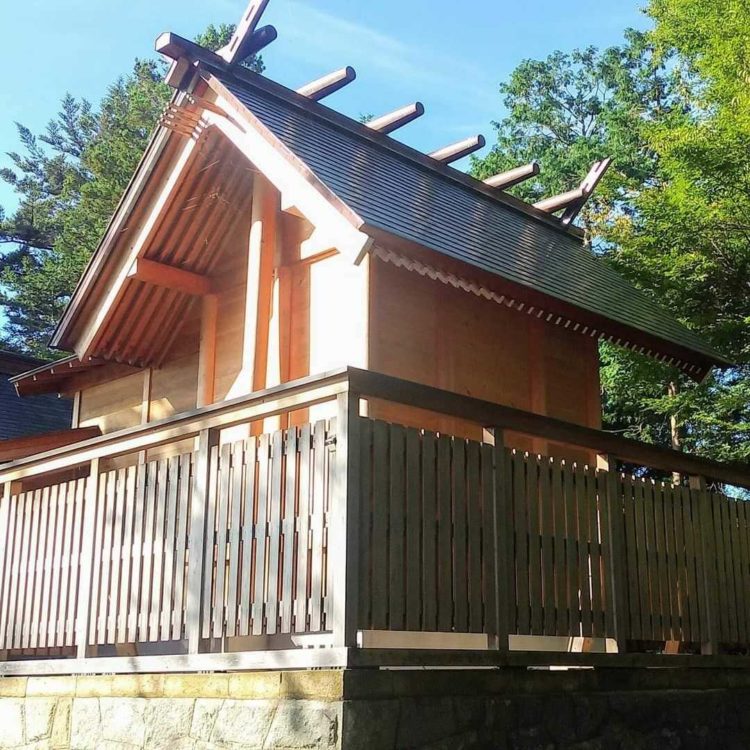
(401, 195)
(33, 415)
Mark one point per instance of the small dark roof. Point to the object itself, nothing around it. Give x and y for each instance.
(20, 417)
(394, 189)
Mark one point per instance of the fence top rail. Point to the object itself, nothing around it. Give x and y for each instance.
(292, 396)
(376, 385)
(315, 389)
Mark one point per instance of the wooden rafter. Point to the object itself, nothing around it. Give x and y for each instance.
(512, 177)
(170, 277)
(397, 119)
(328, 84)
(456, 151)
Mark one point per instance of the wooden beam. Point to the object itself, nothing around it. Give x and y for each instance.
(574, 200)
(588, 186)
(14, 448)
(456, 151)
(512, 177)
(328, 84)
(170, 277)
(395, 120)
(244, 30)
(207, 353)
(556, 202)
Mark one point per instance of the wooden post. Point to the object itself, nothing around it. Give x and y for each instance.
(86, 569)
(201, 473)
(343, 547)
(709, 646)
(505, 597)
(207, 354)
(613, 536)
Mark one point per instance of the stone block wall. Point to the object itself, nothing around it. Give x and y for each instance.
(263, 711)
(506, 709)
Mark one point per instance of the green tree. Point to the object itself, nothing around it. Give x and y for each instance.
(68, 181)
(670, 215)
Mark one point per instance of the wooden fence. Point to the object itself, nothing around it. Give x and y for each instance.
(264, 550)
(355, 525)
(457, 536)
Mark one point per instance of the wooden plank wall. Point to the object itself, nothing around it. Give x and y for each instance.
(265, 565)
(470, 345)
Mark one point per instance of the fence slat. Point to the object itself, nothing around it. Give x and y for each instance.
(135, 586)
(397, 458)
(445, 535)
(429, 533)
(235, 529)
(248, 541)
(127, 555)
(660, 559)
(302, 588)
(535, 547)
(474, 530)
(366, 527)
(523, 615)
(184, 504)
(571, 536)
(209, 546)
(683, 562)
(290, 514)
(80, 579)
(584, 559)
(559, 551)
(489, 545)
(47, 620)
(261, 532)
(167, 607)
(32, 578)
(148, 550)
(380, 530)
(61, 536)
(413, 556)
(116, 552)
(595, 552)
(460, 568)
(548, 535)
(317, 522)
(274, 535)
(671, 558)
(43, 565)
(220, 543)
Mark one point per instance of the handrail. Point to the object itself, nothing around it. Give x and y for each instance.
(298, 394)
(315, 389)
(389, 388)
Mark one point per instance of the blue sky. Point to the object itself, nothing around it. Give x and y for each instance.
(449, 55)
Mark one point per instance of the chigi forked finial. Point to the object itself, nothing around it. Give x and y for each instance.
(248, 38)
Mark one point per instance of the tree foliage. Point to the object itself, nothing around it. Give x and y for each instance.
(68, 181)
(671, 107)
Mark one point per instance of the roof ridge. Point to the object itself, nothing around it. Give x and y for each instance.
(268, 86)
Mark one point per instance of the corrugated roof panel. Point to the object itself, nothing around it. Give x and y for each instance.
(401, 196)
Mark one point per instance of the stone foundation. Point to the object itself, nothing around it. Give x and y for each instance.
(513, 709)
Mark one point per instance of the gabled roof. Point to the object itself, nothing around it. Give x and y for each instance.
(405, 194)
(359, 185)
